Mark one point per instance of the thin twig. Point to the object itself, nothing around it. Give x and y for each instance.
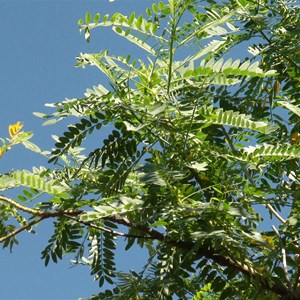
(285, 267)
(200, 252)
(15, 232)
(268, 205)
(39, 212)
(35, 212)
(150, 233)
(114, 232)
(32, 211)
(275, 213)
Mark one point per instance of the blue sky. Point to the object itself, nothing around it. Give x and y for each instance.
(39, 41)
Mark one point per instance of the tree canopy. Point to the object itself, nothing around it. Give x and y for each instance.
(200, 165)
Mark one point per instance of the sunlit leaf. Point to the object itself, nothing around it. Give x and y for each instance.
(14, 128)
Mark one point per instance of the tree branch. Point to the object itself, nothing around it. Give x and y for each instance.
(35, 212)
(15, 232)
(32, 211)
(150, 233)
(209, 253)
(114, 232)
(267, 205)
(284, 263)
(40, 212)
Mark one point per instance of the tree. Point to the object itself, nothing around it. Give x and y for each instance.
(201, 159)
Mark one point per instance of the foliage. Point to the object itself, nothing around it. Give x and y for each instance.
(201, 159)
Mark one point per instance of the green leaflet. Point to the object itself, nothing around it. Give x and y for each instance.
(141, 43)
(108, 64)
(25, 178)
(138, 24)
(172, 157)
(276, 152)
(158, 174)
(124, 204)
(31, 146)
(6, 182)
(211, 47)
(235, 119)
(228, 68)
(208, 28)
(293, 108)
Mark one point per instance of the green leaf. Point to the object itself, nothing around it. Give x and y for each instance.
(235, 119)
(31, 146)
(293, 108)
(131, 18)
(199, 166)
(293, 221)
(97, 18)
(118, 30)
(25, 178)
(135, 40)
(88, 18)
(40, 115)
(52, 121)
(139, 21)
(154, 8)
(276, 152)
(159, 223)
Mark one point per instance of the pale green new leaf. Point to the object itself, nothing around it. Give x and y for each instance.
(223, 73)
(40, 115)
(139, 42)
(199, 166)
(158, 174)
(211, 47)
(106, 64)
(126, 204)
(235, 119)
(52, 121)
(138, 24)
(21, 137)
(25, 178)
(218, 79)
(293, 108)
(99, 91)
(31, 146)
(208, 28)
(276, 152)
(6, 182)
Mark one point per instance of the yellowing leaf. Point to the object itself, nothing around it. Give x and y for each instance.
(276, 87)
(1, 151)
(14, 128)
(295, 138)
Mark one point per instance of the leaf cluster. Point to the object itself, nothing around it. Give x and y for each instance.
(189, 155)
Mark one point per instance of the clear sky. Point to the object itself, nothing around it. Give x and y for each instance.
(39, 41)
